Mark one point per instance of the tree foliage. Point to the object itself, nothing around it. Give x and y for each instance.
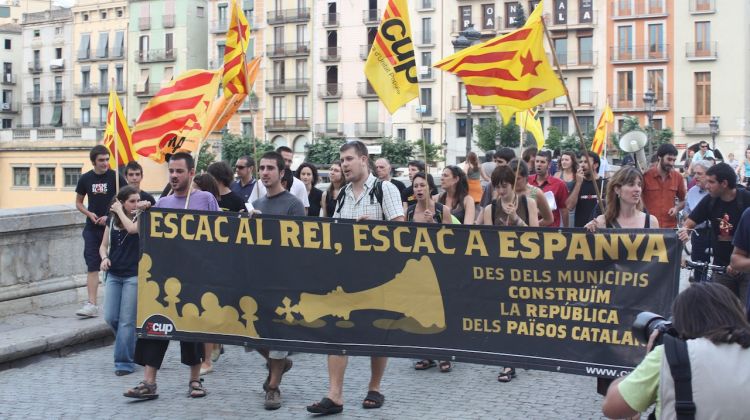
(397, 151)
(324, 151)
(488, 130)
(434, 152)
(205, 157)
(658, 137)
(234, 146)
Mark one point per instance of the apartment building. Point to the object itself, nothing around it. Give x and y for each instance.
(11, 11)
(11, 55)
(712, 67)
(46, 83)
(100, 59)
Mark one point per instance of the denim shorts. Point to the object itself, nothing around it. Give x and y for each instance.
(92, 240)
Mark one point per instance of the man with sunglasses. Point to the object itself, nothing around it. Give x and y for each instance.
(243, 186)
(703, 153)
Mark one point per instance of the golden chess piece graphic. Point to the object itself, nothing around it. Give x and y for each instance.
(414, 292)
(249, 308)
(172, 288)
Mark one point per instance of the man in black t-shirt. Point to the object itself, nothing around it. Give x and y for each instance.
(583, 197)
(99, 187)
(228, 199)
(134, 175)
(722, 208)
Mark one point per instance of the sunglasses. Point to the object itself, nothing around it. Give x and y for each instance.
(704, 147)
(238, 167)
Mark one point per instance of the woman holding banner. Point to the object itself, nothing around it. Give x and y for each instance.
(332, 194)
(624, 204)
(456, 194)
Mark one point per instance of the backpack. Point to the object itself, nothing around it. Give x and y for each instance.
(438, 213)
(676, 351)
(375, 194)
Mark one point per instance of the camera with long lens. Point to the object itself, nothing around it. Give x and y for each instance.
(647, 322)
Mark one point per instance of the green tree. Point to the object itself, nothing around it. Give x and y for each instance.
(205, 157)
(324, 151)
(397, 151)
(520, 16)
(233, 146)
(658, 137)
(486, 132)
(554, 139)
(510, 134)
(434, 152)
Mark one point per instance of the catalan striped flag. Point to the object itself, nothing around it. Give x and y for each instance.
(510, 70)
(390, 67)
(238, 35)
(600, 135)
(174, 118)
(223, 109)
(117, 134)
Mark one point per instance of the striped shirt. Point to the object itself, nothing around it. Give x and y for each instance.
(367, 205)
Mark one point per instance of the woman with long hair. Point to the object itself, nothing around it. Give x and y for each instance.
(624, 203)
(568, 169)
(206, 182)
(744, 169)
(328, 202)
(474, 174)
(456, 194)
(119, 251)
(308, 174)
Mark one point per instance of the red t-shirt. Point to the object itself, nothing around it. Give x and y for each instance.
(558, 189)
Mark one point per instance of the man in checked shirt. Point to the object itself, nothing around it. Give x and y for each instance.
(364, 197)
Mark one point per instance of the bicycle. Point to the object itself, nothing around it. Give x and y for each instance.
(704, 271)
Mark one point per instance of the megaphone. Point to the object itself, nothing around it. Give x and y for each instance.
(634, 142)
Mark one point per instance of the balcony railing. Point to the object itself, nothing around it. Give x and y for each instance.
(697, 125)
(109, 54)
(144, 23)
(276, 17)
(35, 67)
(701, 51)
(9, 107)
(584, 59)
(91, 90)
(330, 20)
(369, 129)
(155, 56)
(250, 104)
(56, 96)
(574, 18)
(287, 124)
(371, 16)
(219, 26)
(167, 21)
(8, 79)
(146, 89)
(330, 54)
(581, 100)
(365, 90)
(329, 130)
(635, 102)
(629, 9)
(461, 107)
(330, 90)
(702, 6)
(291, 49)
(364, 51)
(34, 97)
(287, 85)
(426, 73)
(639, 53)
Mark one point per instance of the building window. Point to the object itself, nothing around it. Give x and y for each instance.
(46, 177)
(85, 17)
(624, 42)
(585, 95)
(21, 177)
(702, 97)
(36, 116)
(426, 31)
(656, 40)
(426, 101)
(58, 53)
(7, 44)
(586, 123)
(36, 33)
(70, 177)
(278, 107)
(655, 80)
(222, 14)
(488, 16)
(247, 129)
(301, 107)
(561, 50)
(460, 127)
(427, 135)
(103, 15)
(624, 88)
(561, 123)
(585, 50)
(85, 117)
(702, 38)
(200, 11)
(7, 123)
(464, 13)
(426, 70)
(119, 13)
(58, 30)
(463, 102)
(401, 134)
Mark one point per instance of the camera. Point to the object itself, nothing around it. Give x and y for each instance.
(646, 323)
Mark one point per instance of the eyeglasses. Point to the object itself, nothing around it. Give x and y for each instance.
(239, 167)
(704, 147)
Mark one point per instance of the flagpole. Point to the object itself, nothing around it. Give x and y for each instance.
(582, 144)
(117, 157)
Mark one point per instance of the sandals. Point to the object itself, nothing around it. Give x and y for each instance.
(142, 391)
(424, 364)
(196, 389)
(506, 375)
(325, 407)
(287, 365)
(445, 366)
(374, 399)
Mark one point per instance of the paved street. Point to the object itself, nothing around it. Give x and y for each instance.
(83, 386)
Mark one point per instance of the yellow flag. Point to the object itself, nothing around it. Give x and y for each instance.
(238, 36)
(507, 112)
(527, 121)
(597, 144)
(390, 67)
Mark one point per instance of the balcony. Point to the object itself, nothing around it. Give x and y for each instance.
(369, 129)
(287, 86)
(34, 97)
(146, 89)
(155, 56)
(697, 125)
(629, 9)
(331, 20)
(635, 102)
(219, 26)
(583, 101)
(276, 17)
(426, 74)
(329, 129)
(251, 103)
(701, 51)
(639, 53)
(91, 90)
(56, 96)
(8, 79)
(35, 67)
(9, 107)
(292, 49)
(287, 124)
(364, 51)
(584, 60)
(330, 54)
(167, 21)
(575, 19)
(365, 90)
(461, 107)
(57, 65)
(699, 7)
(371, 16)
(330, 90)
(144, 23)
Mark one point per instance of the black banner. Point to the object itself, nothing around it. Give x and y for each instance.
(538, 298)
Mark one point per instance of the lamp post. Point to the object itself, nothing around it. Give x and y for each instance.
(498, 140)
(649, 99)
(714, 126)
(467, 38)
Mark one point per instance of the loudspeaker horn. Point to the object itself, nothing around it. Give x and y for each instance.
(634, 142)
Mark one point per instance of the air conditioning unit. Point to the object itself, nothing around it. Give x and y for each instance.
(6, 106)
(424, 70)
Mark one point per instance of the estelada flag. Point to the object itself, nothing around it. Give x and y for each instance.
(117, 134)
(390, 67)
(174, 118)
(527, 121)
(238, 35)
(600, 136)
(508, 70)
(223, 109)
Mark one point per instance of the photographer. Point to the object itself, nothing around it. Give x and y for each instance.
(711, 319)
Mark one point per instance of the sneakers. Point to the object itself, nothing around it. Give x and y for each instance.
(88, 310)
(273, 399)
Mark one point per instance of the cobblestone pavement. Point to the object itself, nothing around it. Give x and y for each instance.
(83, 386)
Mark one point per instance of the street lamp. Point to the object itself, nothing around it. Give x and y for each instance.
(714, 126)
(649, 99)
(465, 39)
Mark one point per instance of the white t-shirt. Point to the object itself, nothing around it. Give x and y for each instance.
(298, 190)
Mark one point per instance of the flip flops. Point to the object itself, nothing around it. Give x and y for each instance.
(424, 364)
(374, 399)
(325, 407)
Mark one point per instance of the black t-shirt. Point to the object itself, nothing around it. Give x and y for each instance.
(231, 202)
(314, 198)
(147, 197)
(123, 253)
(400, 185)
(723, 217)
(407, 195)
(99, 190)
(587, 206)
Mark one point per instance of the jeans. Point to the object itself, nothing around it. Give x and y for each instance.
(120, 303)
